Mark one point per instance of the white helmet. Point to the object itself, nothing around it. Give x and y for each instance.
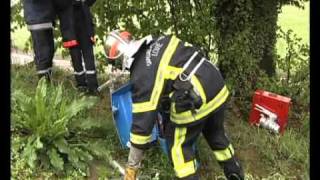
(121, 46)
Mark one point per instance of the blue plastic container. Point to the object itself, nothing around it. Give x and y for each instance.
(164, 145)
(122, 114)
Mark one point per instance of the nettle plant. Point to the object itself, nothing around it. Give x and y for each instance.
(43, 122)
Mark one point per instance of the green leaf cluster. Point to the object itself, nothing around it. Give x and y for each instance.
(43, 121)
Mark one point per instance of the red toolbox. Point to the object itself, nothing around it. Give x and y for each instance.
(277, 104)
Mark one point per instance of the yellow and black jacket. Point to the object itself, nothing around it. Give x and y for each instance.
(157, 64)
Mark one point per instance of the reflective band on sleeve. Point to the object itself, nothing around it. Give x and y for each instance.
(225, 154)
(91, 72)
(71, 43)
(40, 26)
(44, 71)
(79, 73)
(181, 168)
(159, 81)
(139, 139)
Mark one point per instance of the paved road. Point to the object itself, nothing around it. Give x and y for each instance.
(24, 58)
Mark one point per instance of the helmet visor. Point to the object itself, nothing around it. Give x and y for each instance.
(115, 45)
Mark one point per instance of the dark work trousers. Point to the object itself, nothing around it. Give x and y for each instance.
(43, 46)
(181, 142)
(64, 11)
(39, 16)
(85, 76)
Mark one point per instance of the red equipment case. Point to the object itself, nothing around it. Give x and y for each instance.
(273, 102)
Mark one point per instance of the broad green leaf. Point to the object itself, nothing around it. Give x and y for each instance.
(58, 96)
(62, 145)
(73, 156)
(84, 155)
(55, 159)
(38, 143)
(29, 152)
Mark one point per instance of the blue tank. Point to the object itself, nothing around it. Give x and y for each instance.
(122, 114)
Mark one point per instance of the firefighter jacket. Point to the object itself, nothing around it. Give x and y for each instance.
(156, 67)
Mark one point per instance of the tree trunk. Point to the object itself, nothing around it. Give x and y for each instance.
(265, 18)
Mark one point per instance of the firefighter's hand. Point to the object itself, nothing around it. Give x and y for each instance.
(130, 173)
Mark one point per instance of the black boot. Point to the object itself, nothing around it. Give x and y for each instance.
(47, 75)
(83, 89)
(92, 84)
(232, 169)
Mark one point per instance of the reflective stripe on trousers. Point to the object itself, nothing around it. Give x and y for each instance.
(181, 168)
(224, 154)
(48, 70)
(40, 26)
(79, 73)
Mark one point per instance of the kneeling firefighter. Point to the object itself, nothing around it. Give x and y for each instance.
(174, 78)
(40, 17)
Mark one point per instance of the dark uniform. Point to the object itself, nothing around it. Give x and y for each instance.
(157, 88)
(39, 16)
(85, 76)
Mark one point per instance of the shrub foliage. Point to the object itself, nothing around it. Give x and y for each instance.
(43, 124)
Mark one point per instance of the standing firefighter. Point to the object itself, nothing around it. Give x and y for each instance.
(39, 16)
(85, 76)
(174, 78)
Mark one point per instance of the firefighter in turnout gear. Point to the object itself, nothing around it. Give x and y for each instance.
(174, 78)
(82, 56)
(40, 16)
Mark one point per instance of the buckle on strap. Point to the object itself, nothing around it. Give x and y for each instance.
(185, 77)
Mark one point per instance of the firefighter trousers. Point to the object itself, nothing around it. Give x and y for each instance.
(83, 54)
(43, 47)
(181, 142)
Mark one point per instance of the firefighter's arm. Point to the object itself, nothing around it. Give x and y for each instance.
(143, 111)
(141, 131)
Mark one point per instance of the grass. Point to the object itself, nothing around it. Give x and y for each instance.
(262, 155)
(296, 19)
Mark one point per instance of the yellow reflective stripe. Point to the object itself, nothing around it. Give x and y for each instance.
(225, 154)
(186, 169)
(142, 107)
(181, 168)
(198, 87)
(173, 72)
(187, 117)
(176, 151)
(159, 81)
(139, 139)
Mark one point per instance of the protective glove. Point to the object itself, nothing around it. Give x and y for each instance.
(130, 173)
